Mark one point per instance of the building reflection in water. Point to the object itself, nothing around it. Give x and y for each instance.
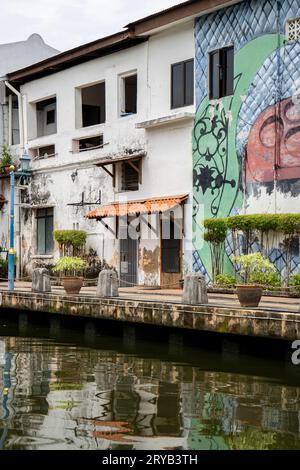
(56, 396)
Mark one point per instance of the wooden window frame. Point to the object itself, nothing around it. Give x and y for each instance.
(185, 102)
(222, 78)
(45, 217)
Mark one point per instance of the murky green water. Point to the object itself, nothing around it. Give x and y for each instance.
(62, 394)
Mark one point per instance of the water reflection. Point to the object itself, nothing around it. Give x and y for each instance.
(62, 396)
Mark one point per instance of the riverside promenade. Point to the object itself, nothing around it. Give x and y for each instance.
(276, 317)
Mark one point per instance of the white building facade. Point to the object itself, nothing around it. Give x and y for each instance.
(105, 132)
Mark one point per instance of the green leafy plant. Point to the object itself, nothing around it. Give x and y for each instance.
(6, 159)
(70, 265)
(71, 242)
(225, 280)
(252, 266)
(215, 235)
(74, 238)
(295, 282)
(268, 280)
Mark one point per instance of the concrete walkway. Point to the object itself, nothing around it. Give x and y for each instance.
(284, 304)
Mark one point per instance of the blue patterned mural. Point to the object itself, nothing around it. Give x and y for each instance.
(236, 137)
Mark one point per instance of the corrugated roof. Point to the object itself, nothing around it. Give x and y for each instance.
(146, 206)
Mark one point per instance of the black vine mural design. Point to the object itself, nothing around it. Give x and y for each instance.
(211, 139)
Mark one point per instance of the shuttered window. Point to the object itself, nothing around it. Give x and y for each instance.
(130, 177)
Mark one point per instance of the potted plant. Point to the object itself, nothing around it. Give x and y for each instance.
(69, 266)
(6, 160)
(251, 268)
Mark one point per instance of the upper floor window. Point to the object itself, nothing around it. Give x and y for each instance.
(46, 117)
(182, 93)
(130, 175)
(92, 105)
(293, 29)
(221, 73)
(87, 143)
(40, 153)
(128, 94)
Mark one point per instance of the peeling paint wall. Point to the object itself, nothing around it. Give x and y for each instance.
(166, 169)
(149, 251)
(246, 146)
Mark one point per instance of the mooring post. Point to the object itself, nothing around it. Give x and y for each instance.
(195, 290)
(108, 284)
(40, 281)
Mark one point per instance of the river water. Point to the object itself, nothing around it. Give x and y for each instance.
(63, 389)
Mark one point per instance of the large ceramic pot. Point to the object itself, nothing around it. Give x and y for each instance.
(72, 285)
(249, 296)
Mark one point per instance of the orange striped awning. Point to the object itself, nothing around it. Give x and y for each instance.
(147, 206)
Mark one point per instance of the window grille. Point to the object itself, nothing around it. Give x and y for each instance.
(293, 29)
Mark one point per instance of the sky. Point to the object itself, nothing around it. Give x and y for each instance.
(65, 24)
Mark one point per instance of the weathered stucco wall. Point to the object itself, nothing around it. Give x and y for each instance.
(167, 168)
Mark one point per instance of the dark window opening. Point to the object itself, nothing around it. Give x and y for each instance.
(51, 116)
(46, 117)
(45, 243)
(130, 177)
(15, 121)
(171, 248)
(221, 73)
(182, 84)
(129, 95)
(90, 143)
(93, 105)
(43, 152)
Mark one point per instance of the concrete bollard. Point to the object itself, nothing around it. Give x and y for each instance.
(195, 290)
(41, 281)
(108, 284)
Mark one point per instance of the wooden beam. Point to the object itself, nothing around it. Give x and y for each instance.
(106, 170)
(155, 231)
(107, 227)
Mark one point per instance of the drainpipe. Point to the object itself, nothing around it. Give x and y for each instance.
(21, 114)
(23, 140)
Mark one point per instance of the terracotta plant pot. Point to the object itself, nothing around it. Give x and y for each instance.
(249, 296)
(72, 285)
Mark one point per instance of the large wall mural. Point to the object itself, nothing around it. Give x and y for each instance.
(240, 141)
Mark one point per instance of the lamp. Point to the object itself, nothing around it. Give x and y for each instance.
(74, 175)
(25, 162)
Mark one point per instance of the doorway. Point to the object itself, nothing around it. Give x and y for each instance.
(128, 255)
(171, 252)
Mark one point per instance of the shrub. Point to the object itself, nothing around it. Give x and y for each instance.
(216, 230)
(269, 280)
(253, 265)
(224, 280)
(70, 238)
(70, 264)
(6, 159)
(295, 282)
(284, 223)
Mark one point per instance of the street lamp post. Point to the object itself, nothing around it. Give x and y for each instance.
(11, 253)
(23, 171)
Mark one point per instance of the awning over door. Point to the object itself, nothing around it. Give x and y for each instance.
(146, 206)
